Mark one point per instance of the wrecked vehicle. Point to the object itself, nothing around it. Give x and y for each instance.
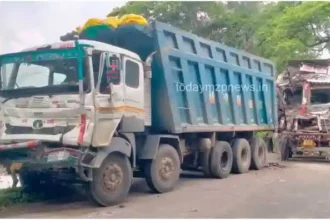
(304, 109)
(101, 110)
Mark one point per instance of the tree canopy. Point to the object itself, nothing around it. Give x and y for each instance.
(279, 31)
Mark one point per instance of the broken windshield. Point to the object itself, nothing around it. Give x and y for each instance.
(39, 73)
(320, 96)
(293, 97)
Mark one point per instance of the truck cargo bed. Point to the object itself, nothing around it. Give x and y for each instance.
(199, 85)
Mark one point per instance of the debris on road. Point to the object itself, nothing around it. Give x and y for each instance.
(275, 165)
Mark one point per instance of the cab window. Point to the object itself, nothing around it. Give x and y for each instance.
(110, 74)
(96, 65)
(132, 74)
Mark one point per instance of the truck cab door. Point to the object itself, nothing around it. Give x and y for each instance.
(109, 96)
(133, 109)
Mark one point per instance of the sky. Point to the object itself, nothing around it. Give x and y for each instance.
(27, 24)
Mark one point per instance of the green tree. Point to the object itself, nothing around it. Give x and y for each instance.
(232, 23)
(278, 31)
(180, 14)
(295, 31)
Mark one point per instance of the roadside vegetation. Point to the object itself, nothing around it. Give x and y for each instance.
(20, 195)
(11, 196)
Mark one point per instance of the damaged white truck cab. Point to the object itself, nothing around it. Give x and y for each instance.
(42, 99)
(99, 113)
(67, 100)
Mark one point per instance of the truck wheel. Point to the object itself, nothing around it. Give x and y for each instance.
(206, 156)
(285, 148)
(258, 153)
(162, 173)
(221, 160)
(111, 181)
(241, 155)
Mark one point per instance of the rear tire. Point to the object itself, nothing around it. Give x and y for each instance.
(162, 173)
(221, 160)
(241, 155)
(206, 156)
(112, 180)
(258, 153)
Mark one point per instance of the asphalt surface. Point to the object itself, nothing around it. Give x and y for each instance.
(294, 190)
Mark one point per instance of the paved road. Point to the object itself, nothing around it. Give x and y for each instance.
(298, 190)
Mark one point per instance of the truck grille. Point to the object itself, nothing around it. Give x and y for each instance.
(28, 130)
(39, 102)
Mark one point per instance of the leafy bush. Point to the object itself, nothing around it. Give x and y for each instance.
(12, 196)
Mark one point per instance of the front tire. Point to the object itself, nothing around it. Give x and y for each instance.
(285, 148)
(221, 160)
(112, 180)
(162, 173)
(242, 155)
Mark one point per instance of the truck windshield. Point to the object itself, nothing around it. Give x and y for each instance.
(294, 97)
(320, 96)
(39, 75)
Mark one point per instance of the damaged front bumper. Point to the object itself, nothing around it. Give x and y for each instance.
(37, 157)
(309, 144)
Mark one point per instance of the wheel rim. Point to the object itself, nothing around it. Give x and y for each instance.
(166, 168)
(224, 160)
(112, 177)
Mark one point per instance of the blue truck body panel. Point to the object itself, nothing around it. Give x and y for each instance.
(202, 86)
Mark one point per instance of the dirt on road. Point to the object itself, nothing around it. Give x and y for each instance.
(295, 190)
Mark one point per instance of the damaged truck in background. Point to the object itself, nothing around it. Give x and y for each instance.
(105, 108)
(304, 109)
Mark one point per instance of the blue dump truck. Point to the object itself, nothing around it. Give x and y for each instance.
(137, 100)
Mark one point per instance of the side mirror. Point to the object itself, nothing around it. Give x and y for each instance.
(110, 91)
(112, 72)
(148, 62)
(147, 66)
